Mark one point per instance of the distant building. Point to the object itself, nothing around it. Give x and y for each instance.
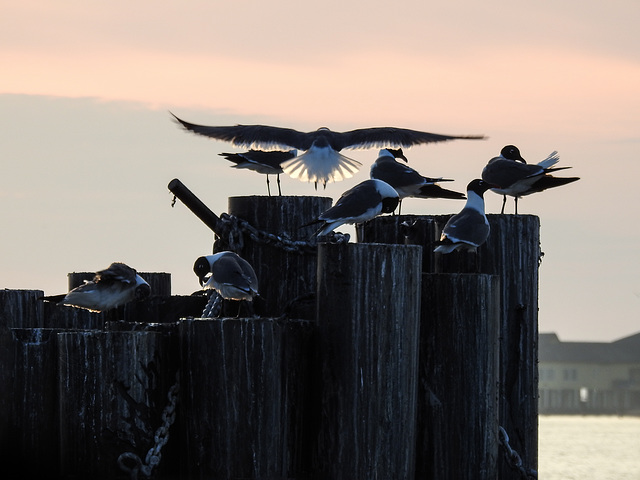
(589, 377)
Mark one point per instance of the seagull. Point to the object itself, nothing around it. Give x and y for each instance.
(110, 288)
(267, 163)
(468, 229)
(321, 161)
(513, 176)
(228, 275)
(363, 202)
(406, 181)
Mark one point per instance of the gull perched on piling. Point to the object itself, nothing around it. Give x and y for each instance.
(406, 181)
(512, 176)
(468, 229)
(321, 161)
(110, 288)
(363, 202)
(228, 274)
(265, 162)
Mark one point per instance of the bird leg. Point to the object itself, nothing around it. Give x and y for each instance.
(278, 180)
(268, 188)
(516, 200)
(248, 308)
(504, 202)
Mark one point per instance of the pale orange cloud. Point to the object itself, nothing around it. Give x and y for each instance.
(535, 87)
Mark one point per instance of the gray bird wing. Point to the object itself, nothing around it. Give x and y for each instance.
(117, 272)
(394, 137)
(229, 271)
(253, 135)
(396, 174)
(504, 173)
(468, 226)
(353, 203)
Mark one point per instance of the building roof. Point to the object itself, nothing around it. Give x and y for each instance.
(552, 350)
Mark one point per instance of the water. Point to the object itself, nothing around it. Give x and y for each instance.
(585, 448)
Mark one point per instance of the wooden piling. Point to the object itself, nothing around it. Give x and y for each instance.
(21, 309)
(33, 426)
(112, 392)
(243, 394)
(7, 377)
(512, 252)
(514, 255)
(458, 377)
(368, 317)
(286, 279)
(404, 230)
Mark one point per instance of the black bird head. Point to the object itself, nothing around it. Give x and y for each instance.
(397, 153)
(389, 204)
(479, 186)
(142, 291)
(202, 268)
(511, 152)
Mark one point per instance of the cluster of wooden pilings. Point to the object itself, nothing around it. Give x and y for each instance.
(368, 360)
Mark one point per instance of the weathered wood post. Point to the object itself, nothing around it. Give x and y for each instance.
(458, 388)
(113, 389)
(285, 277)
(21, 308)
(368, 317)
(242, 396)
(514, 255)
(32, 430)
(18, 309)
(404, 230)
(512, 252)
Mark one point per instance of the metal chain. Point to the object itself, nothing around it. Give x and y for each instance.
(214, 305)
(161, 437)
(236, 228)
(513, 457)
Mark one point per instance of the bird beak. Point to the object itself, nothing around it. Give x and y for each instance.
(204, 279)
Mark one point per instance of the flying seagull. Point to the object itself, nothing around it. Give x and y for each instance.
(512, 176)
(110, 288)
(228, 275)
(407, 181)
(321, 161)
(267, 163)
(468, 229)
(363, 202)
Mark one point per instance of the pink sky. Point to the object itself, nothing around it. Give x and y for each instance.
(555, 76)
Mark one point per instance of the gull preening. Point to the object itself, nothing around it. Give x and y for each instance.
(114, 286)
(227, 276)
